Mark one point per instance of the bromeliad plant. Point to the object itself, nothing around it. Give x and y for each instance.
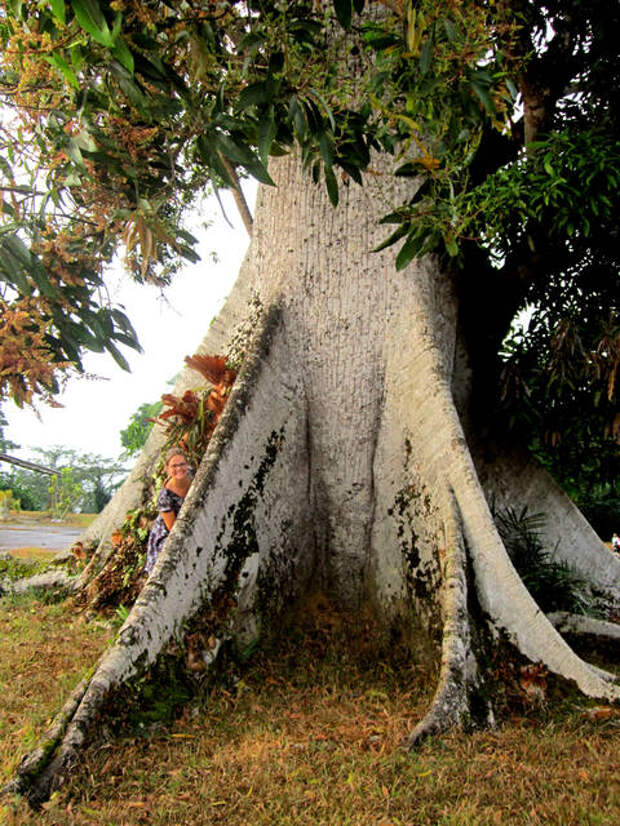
(191, 419)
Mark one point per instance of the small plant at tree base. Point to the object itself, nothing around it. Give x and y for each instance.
(554, 585)
(189, 421)
(119, 581)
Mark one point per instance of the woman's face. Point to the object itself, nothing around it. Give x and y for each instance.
(177, 467)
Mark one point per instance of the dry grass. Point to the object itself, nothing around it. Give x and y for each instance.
(33, 553)
(308, 733)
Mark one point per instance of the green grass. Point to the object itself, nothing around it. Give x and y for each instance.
(307, 732)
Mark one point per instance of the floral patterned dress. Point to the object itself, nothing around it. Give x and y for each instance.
(167, 502)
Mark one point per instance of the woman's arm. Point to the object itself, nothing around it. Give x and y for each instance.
(169, 518)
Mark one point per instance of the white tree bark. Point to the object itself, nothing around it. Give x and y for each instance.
(340, 463)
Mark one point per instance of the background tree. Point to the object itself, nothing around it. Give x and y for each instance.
(134, 436)
(30, 488)
(370, 426)
(96, 477)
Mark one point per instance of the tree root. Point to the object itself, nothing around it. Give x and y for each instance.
(210, 550)
(580, 625)
(55, 580)
(458, 671)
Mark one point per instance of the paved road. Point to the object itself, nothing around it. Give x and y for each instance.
(35, 535)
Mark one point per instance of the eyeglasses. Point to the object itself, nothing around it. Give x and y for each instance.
(181, 464)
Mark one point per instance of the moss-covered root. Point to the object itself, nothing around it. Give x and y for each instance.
(34, 763)
(458, 673)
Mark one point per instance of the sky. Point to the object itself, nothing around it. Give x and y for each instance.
(169, 327)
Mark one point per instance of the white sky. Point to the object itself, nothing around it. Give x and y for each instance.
(168, 328)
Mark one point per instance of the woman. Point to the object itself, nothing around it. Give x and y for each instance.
(169, 503)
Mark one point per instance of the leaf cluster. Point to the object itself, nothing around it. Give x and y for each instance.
(503, 114)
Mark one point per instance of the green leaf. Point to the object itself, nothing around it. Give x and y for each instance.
(258, 170)
(399, 233)
(241, 154)
(117, 356)
(409, 250)
(15, 7)
(85, 338)
(91, 19)
(254, 95)
(123, 55)
(344, 12)
(73, 151)
(297, 115)
(12, 275)
(426, 55)
(325, 106)
(451, 30)
(451, 246)
(267, 129)
(58, 10)
(408, 170)
(547, 164)
(326, 145)
(332, 185)
(19, 250)
(481, 85)
(63, 67)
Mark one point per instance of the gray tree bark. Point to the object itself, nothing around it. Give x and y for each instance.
(341, 464)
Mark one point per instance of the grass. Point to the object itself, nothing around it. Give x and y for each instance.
(307, 732)
(74, 520)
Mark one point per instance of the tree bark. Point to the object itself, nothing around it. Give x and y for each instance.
(341, 463)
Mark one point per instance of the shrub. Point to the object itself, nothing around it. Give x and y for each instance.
(554, 585)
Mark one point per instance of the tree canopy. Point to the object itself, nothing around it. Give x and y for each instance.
(504, 113)
(95, 477)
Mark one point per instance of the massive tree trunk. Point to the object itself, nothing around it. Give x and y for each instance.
(342, 463)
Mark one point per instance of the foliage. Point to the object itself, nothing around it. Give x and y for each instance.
(30, 488)
(191, 419)
(120, 580)
(8, 502)
(140, 425)
(5, 444)
(554, 585)
(504, 115)
(602, 510)
(96, 475)
(14, 569)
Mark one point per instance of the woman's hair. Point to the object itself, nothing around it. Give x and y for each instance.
(174, 451)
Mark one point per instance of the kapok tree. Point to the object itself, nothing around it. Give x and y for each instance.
(368, 433)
